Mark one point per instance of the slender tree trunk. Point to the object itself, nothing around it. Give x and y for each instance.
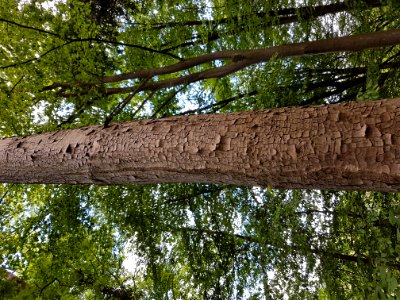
(354, 146)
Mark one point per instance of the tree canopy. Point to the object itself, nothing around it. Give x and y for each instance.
(72, 63)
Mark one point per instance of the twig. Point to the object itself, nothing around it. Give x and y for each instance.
(221, 103)
(167, 101)
(12, 89)
(142, 104)
(122, 104)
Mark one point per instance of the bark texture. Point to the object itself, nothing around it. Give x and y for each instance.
(354, 146)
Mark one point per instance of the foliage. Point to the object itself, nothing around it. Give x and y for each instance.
(188, 241)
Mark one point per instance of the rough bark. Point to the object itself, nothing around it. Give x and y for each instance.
(354, 146)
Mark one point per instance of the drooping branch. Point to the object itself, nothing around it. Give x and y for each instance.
(235, 61)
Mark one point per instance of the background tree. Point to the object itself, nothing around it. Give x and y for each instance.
(198, 241)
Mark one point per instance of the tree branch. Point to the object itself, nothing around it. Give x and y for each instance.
(71, 40)
(221, 103)
(279, 17)
(30, 27)
(169, 99)
(163, 52)
(121, 105)
(47, 285)
(139, 108)
(35, 58)
(284, 15)
(317, 251)
(239, 60)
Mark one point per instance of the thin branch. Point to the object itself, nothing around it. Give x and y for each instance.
(35, 58)
(4, 195)
(71, 40)
(76, 114)
(186, 199)
(118, 108)
(47, 285)
(163, 52)
(168, 100)
(15, 85)
(121, 105)
(139, 108)
(316, 251)
(221, 103)
(340, 88)
(30, 27)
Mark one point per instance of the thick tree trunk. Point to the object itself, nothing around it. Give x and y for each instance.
(354, 146)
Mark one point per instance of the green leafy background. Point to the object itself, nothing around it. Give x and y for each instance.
(189, 241)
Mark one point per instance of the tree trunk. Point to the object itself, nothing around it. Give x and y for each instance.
(354, 146)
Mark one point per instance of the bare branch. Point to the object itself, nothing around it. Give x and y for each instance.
(221, 103)
(121, 105)
(142, 104)
(35, 58)
(30, 27)
(168, 100)
(47, 285)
